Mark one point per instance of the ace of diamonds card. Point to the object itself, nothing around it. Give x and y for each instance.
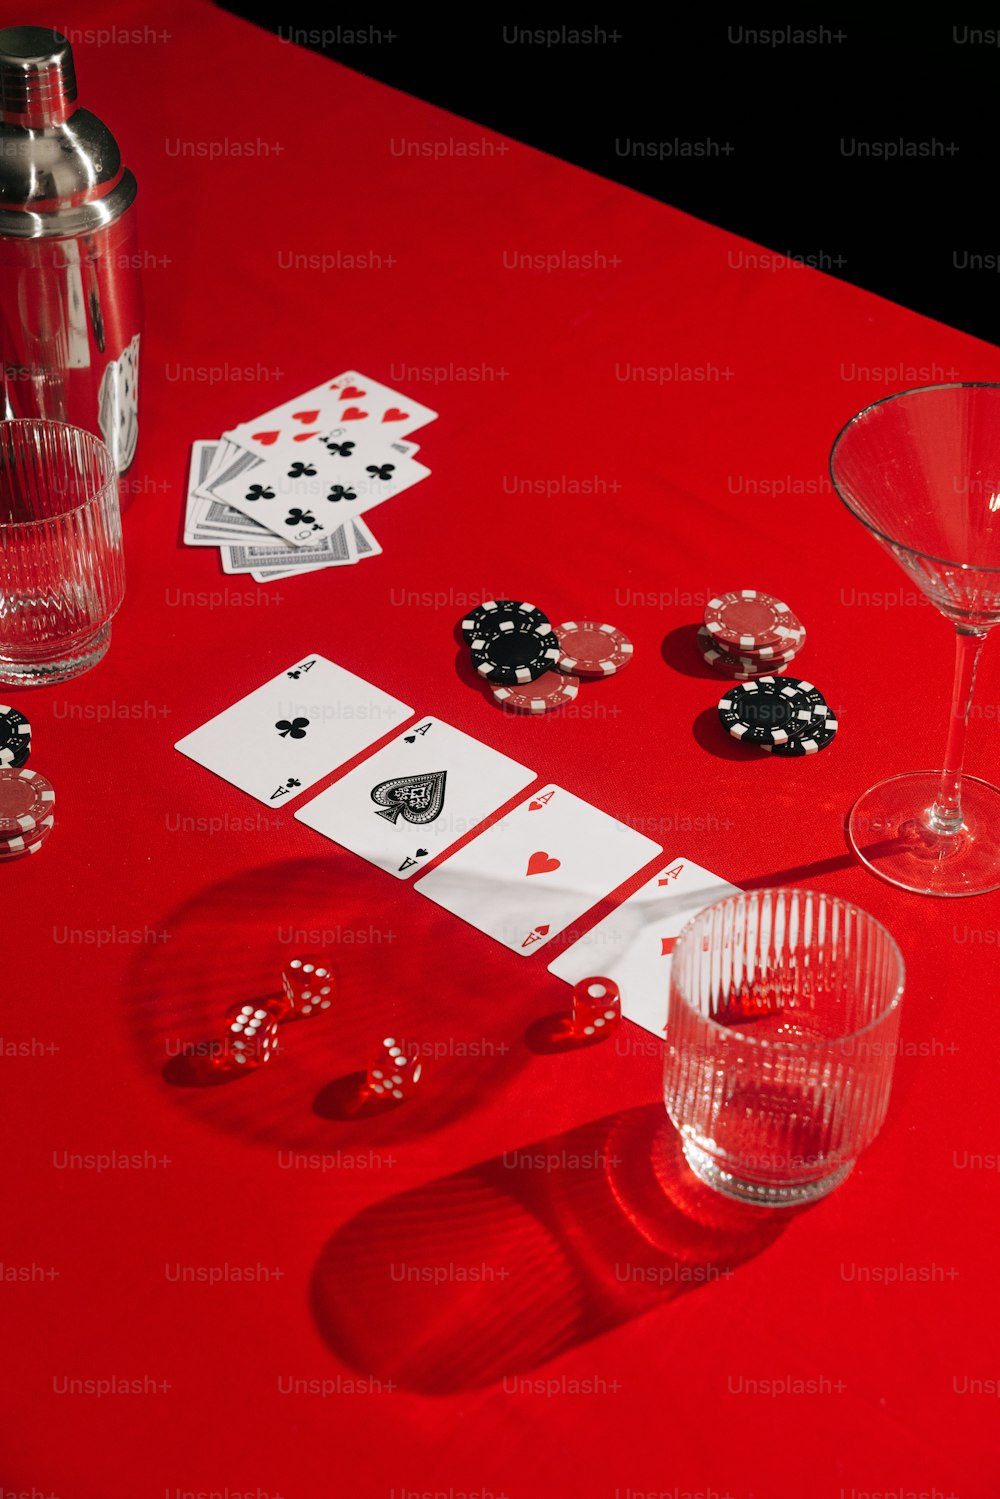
(634, 944)
(541, 867)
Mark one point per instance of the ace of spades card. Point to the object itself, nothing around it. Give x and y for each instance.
(634, 944)
(541, 867)
(287, 735)
(415, 797)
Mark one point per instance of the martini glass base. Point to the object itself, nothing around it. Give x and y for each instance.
(888, 831)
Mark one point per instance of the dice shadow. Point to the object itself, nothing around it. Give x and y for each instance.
(349, 1097)
(387, 946)
(485, 1274)
(551, 1035)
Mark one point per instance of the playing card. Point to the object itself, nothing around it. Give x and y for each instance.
(352, 400)
(340, 443)
(633, 945)
(304, 499)
(245, 557)
(361, 545)
(206, 521)
(288, 734)
(415, 797)
(202, 454)
(541, 867)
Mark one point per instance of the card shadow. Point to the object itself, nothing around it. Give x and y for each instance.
(484, 1275)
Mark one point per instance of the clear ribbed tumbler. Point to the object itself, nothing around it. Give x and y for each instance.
(782, 1032)
(62, 573)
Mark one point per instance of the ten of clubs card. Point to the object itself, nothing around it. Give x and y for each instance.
(415, 797)
(541, 867)
(290, 733)
(634, 944)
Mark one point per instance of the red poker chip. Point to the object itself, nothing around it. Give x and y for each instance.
(14, 845)
(26, 799)
(550, 691)
(590, 649)
(748, 620)
(740, 668)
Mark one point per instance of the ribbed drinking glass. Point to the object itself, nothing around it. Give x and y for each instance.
(782, 1032)
(62, 572)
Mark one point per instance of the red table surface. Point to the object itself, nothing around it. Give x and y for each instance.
(410, 1306)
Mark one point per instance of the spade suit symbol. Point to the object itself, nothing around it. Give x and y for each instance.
(416, 798)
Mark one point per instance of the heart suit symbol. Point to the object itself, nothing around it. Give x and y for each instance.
(542, 863)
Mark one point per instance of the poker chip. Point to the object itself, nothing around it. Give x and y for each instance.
(550, 691)
(513, 651)
(15, 737)
(750, 621)
(592, 650)
(772, 710)
(740, 668)
(25, 843)
(816, 736)
(26, 799)
(496, 614)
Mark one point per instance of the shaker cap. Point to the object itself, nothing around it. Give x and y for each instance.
(37, 76)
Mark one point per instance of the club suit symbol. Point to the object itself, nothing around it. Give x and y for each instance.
(294, 728)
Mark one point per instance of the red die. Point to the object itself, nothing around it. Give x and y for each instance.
(391, 1073)
(251, 1037)
(309, 985)
(596, 1006)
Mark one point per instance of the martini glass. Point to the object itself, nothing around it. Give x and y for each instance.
(921, 469)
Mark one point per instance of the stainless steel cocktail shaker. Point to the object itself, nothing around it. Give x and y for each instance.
(70, 300)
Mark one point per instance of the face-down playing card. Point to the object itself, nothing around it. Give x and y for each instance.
(633, 945)
(285, 736)
(415, 797)
(541, 867)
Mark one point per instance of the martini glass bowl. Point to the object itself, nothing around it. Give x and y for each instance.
(921, 470)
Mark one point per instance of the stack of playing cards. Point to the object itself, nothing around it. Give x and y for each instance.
(285, 492)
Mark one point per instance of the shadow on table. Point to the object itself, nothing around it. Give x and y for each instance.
(712, 737)
(681, 652)
(486, 1274)
(229, 943)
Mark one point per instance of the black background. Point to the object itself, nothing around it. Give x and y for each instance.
(790, 114)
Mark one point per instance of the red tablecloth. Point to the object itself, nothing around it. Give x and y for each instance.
(288, 1302)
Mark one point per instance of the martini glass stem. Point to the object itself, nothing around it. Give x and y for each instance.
(945, 816)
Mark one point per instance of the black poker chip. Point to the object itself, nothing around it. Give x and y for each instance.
(816, 736)
(516, 652)
(15, 737)
(772, 711)
(498, 614)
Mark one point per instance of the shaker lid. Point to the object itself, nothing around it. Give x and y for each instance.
(61, 171)
(37, 77)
